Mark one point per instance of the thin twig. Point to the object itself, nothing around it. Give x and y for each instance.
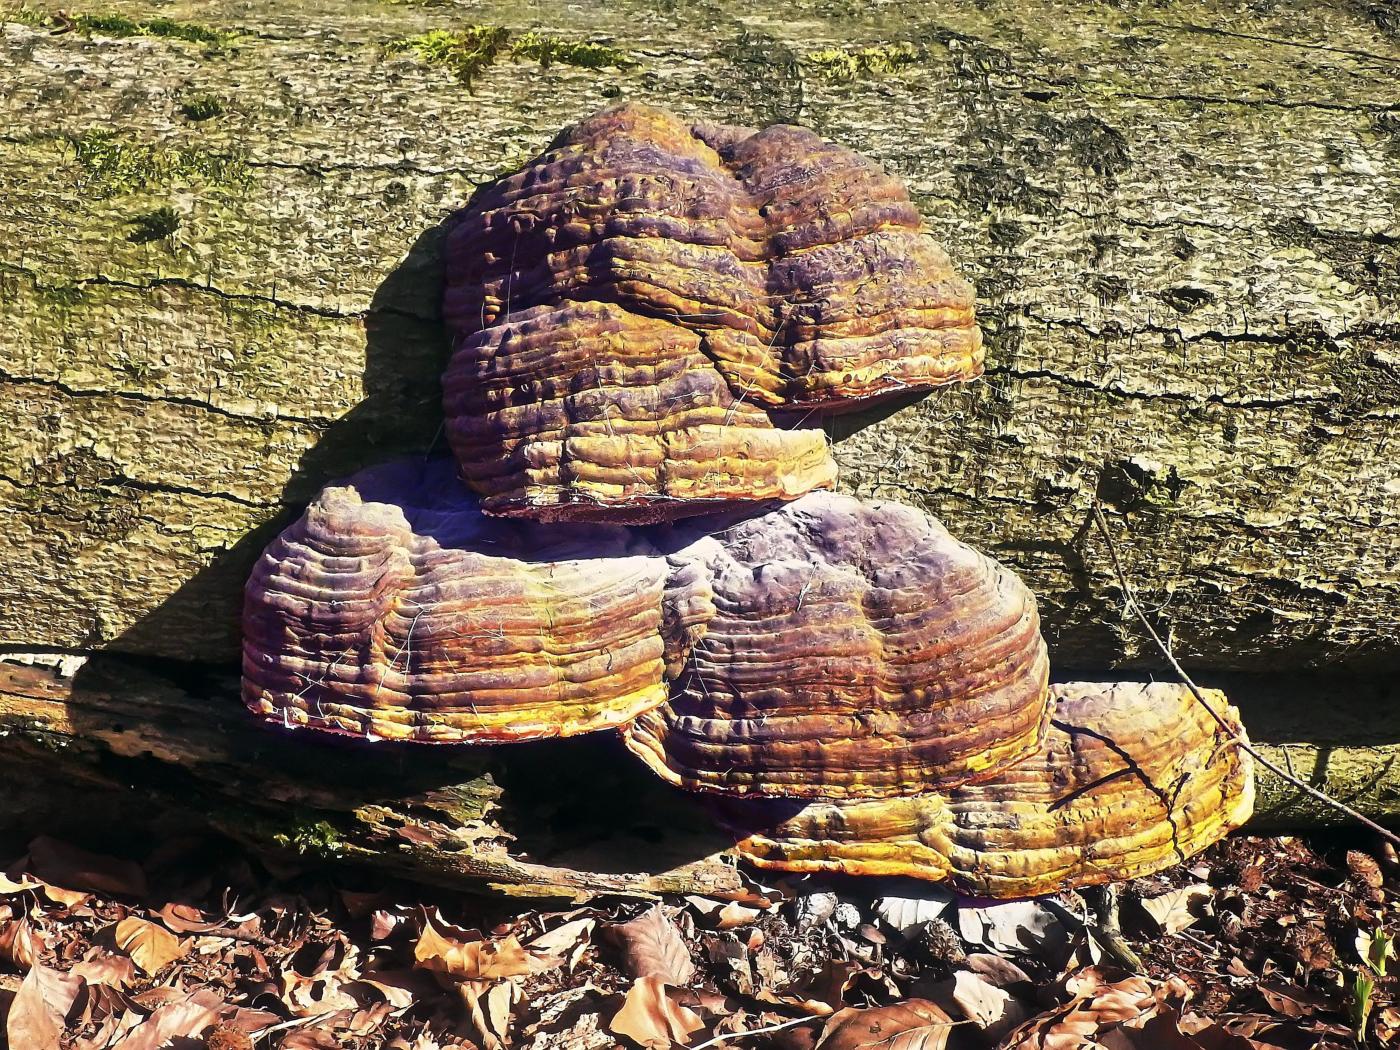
(1131, 600)
(717, 1040)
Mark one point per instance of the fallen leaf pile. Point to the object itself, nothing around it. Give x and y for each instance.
(1261, 944)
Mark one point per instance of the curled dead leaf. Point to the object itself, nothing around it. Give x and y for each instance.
(1175, 910)
(652, 1019)
(150, 947)
(914, 1024)
(476, 960)
(105, 968)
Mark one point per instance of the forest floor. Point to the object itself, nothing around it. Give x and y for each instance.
(1259, 942)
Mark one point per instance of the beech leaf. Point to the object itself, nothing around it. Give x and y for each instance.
(36, 1017)
(480, 960)
(906, 914)
(650, 1018)
(652, 946)
(914, 1024)
(1175, 910)
(182, 1020)
(151, 947)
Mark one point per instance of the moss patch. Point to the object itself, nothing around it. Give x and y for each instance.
(201, 107)
(114, 164)
(547, 49)
(467, 52)
(464, 53)
(312, 838)
(121, 26)
(845, 64)
(154, 225)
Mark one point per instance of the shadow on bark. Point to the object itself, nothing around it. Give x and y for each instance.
(579, 804)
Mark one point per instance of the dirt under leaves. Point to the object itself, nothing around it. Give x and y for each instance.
(1258, 943)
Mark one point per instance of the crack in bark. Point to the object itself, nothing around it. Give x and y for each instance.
(1186, 27)
(1258, 103)
(121, 481)
(161, 399)
(187, 284)
(1116, 388)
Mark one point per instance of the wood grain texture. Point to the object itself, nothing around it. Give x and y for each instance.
(1181, 221)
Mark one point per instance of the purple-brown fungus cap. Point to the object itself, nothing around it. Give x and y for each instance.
(630, 307)
(832, 648)
(394, 608)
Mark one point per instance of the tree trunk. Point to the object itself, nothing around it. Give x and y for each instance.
(219, 282)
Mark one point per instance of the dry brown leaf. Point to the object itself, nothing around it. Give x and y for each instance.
(1104, 1008)
(982, 1003)
(563, 939)
(37, 1014)
(914, 1024)
(650, 1018)
(105, 968)
(1175, 910)
(996, 970)
(1291, 1000)
(17, 943)
(67, 898)
(16, 884)
(151, 947)
(652, 946)
(489, 1007)
(173, 1021)
(480, 960)
(226, 1037)
(399, 988)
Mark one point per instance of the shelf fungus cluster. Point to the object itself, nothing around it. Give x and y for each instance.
(636, 314)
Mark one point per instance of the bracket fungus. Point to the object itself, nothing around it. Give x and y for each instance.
(856, 691)
(630, 307)
(841, 649)
(394, 608)
(1133, 778)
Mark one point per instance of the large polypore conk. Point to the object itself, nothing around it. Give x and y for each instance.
(837, 649)
(630, 307)
(394, 608)
(1133, 778)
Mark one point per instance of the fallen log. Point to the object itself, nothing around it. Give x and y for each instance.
(220, 278)
(566, 818)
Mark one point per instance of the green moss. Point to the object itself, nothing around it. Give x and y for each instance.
(464, 53)
(315, 838)
(844, 64)
(547, 49)
(154, 225)
(122, 26)
(467, 52)
(114, 164)
(201, 107)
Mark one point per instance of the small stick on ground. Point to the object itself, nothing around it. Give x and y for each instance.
(1131, 601)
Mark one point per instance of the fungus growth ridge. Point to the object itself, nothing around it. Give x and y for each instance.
(848, 650)
(630, 307)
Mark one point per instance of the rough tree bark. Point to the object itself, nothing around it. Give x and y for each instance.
(219, 273)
